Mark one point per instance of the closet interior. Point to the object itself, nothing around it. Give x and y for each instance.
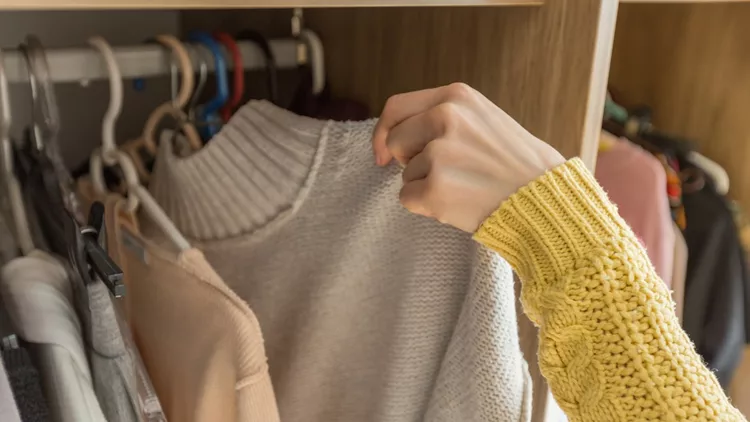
(549, 63)
(676, 90)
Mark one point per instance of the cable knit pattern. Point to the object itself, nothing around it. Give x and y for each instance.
(369, 313)
(611, 347)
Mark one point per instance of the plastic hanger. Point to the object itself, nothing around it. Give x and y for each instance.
(270, 65)
(174, 108)
(208, 112)
(316, 59)
(714, 170)
(137, 194)
(47, 179)
(109, 146)
(144, 147)
(238, 75)
(15, 197)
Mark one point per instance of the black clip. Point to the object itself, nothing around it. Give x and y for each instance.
(95, 237)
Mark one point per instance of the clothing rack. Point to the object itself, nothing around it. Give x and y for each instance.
(84, 64)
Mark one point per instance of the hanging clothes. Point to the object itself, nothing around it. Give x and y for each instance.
(716, 287)
(38, 298)
(369, 313)
(8, 408)
(635, 181)
(26, 385)
(679, 271)
(202, 344)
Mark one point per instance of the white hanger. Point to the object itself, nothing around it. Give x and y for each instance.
(17, 208)
(713, 169)
(137, 194)
(109, 147)
(316, 57)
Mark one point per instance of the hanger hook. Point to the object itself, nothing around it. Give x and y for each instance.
(180, 97)
(238, 73)
(13, 187)
(209, 111)
(109, 145)
(316, 58)
(202, 79)
(270, 61)
(46, 117)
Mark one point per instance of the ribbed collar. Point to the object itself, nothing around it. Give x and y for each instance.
(256, 170)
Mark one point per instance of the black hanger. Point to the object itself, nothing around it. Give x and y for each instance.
(271, 68)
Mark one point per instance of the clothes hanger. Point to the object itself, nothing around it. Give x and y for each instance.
(109, 146)
(174, 108)
(47, 181)
(713, 169)
(270, 64)
(24, 238)
(137, 194)
(207, 113)
(316, 59)
(143, 149)
(238, 74)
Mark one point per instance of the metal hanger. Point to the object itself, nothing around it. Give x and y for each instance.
(24, 238)
(270, 62)
(238, 74)
(208, 112)
(137, 194)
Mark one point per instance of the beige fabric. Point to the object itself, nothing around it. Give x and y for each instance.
(202, 345)
(370, 313)
(679, 271)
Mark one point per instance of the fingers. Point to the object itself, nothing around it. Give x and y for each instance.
(411, 136)
(412, 197)
(400, 107)
(418, 168)
(397, 109)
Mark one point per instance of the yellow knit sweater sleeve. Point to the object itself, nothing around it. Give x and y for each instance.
(610, 347)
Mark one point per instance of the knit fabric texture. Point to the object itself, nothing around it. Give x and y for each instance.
(26, 385)
(369, 313)
(611, 347)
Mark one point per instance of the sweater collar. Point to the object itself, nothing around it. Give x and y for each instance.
(256, 170)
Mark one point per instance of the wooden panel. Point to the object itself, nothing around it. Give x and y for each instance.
(691, 64)
(242, 4)
(546, 66)
(683, 1)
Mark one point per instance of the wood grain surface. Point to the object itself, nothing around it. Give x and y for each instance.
(241, 4)
(691, 64)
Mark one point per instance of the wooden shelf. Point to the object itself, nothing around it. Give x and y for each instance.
(243, 4)
(683, 1)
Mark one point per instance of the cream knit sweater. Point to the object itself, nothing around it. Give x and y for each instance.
(369, 313)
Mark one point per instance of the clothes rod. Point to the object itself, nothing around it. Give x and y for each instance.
(85, 64)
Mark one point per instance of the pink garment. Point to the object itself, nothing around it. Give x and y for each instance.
(635, 181)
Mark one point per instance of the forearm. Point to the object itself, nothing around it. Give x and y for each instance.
(611, 347)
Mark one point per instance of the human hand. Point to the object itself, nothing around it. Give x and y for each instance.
(463, 155)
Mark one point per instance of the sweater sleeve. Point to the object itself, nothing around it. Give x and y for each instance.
(610, 345)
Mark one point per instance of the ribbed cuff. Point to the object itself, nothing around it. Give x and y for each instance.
(545, 227)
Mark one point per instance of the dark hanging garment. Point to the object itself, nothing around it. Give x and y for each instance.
(324, 106)
(26, 385)
(715, 287)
